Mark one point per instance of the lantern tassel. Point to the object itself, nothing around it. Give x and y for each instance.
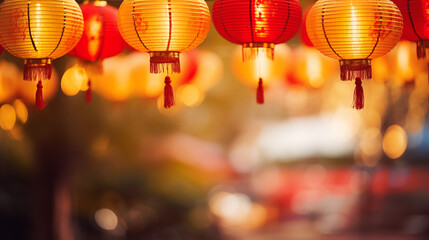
(358, 98)
(88, 93)
(260, 92)
(351, 69)
(162, 61)
(39, 96)
(422, 49)
(168, 93)
(35, 72)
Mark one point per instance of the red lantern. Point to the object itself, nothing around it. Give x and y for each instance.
(415, 14)
(101, 38)
(257, 25)
(303, 35)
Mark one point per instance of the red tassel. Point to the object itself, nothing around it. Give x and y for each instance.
(358, 98)
(39, 96)
(37, 72)
(88, 95)
(260, 92)
(350, 69)
(168, 93)
(422, 49)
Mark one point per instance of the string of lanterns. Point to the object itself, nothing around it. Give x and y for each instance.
(353, 32)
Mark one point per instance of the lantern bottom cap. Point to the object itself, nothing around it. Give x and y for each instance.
(353, 68)
(37, 69)
(250, 51)
(422, 49)
(164, 62)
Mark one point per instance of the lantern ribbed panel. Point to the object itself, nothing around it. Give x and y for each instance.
(164, 25)
(40, 29)
(101, 38)
(350, 29)
(257, 21)
(416, 19)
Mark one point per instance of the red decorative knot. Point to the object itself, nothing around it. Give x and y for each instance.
(40, 105)
(358, 97)
(260, 92)
(168, 93)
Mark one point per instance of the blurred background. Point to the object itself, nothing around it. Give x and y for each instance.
(304, 165)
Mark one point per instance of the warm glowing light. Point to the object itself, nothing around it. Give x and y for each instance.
(114, 83)
(210, 70)
(249, 71)
(314, 71)
(310, 67)
(371, 141)
(190, 95)
(7, 117)
(94, 34)
(403, 62)
(21, 110)
(106, 219)
(9, 77)
(394, 141)
(73, 79)
(233, 208)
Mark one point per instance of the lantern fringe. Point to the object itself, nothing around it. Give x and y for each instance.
(39, 96)
(88, 93)
(160, 64)
(358, 97)
(422, 49)
(35, 72)
(251, 53)
(351, 69)
(260, 92)
(168, 93)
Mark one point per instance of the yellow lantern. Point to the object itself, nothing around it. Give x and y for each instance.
(164, 29)
(354, 32)
(39, 31)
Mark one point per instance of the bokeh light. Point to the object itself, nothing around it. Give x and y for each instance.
(73, 79)
(7, 117)
(106, 219)
(21, 110)
(394, 141)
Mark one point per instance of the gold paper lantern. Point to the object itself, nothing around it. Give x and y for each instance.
(39, 31)
(354, 32)
(164, 29)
